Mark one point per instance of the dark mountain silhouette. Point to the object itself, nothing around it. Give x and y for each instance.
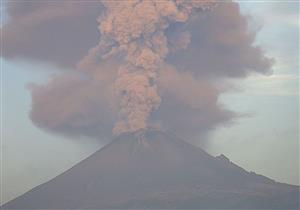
(154, 169)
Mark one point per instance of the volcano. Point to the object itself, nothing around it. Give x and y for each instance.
(155, 169)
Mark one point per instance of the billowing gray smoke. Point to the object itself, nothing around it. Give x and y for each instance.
(150, 63)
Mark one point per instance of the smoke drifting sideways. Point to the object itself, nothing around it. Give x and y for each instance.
(136, 64)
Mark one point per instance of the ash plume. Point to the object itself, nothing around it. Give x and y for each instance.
(137, 30)
(134, 64)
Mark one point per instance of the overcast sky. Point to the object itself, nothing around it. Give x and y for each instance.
(265, 139)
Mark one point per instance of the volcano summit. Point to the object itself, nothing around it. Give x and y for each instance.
(154, 169)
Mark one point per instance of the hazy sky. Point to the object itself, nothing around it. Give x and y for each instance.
(265, 139)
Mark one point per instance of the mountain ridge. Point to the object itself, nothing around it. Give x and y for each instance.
(155, 169)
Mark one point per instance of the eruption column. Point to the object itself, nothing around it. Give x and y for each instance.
(135, 31)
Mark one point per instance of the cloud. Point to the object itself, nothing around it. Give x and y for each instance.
(190, 106)
(77, 104)
(222, 45)
(203, 52)
(52, 31)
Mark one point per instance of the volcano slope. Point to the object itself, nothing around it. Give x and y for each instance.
(155, 169)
